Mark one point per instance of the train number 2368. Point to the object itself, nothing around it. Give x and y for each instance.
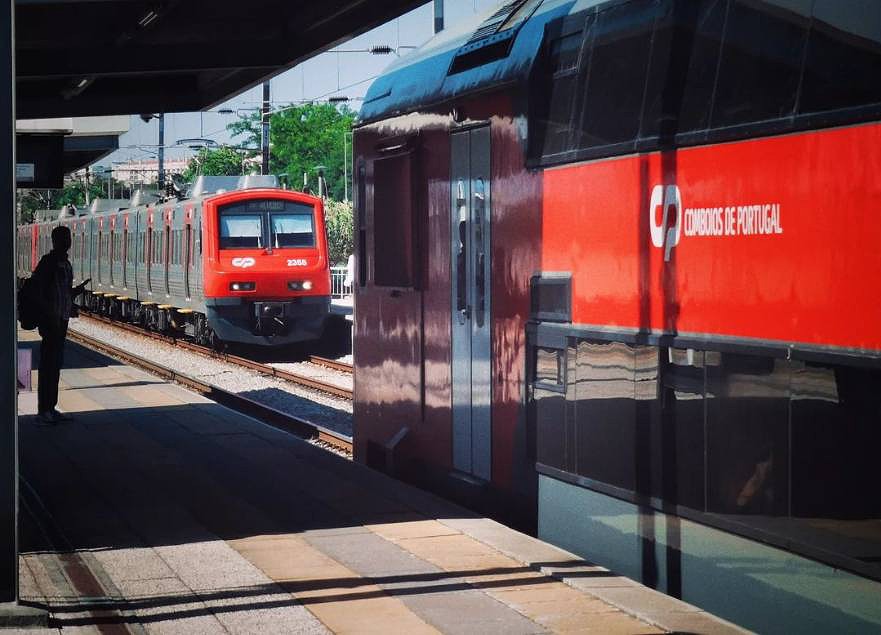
(296, 262)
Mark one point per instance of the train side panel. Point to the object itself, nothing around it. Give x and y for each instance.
(752, 248)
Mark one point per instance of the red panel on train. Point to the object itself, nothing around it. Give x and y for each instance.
(773, 239)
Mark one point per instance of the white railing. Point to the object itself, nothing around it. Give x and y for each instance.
(337, 278)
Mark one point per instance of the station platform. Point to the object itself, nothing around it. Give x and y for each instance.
(157, 510)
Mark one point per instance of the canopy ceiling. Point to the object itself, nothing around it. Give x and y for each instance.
(101, 57)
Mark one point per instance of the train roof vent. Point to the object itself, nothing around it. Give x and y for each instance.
(108, 204)
(205, 185)
(143, 197)
(493, 39)
(252, 181)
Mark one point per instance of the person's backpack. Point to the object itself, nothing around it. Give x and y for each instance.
(29, 304)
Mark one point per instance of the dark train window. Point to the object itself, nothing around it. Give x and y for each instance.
(393, 222)
(606, 431)
(843, 56)
(554, 124)
(701, 63)
(293, 228)
(615, 80)
(748, 442)
(761, 61)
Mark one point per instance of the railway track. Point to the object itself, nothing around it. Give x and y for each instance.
(282, 420)
(259, 367)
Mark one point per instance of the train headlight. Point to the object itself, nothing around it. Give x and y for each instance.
(300, 285)
(242, 286)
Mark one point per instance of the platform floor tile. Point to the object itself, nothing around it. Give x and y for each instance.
(158, 511)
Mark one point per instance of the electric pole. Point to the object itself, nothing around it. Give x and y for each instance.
(161, 161)
(438, 16)
(264, 120)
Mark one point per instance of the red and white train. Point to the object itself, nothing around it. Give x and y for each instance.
(619, 270)
(239, 260)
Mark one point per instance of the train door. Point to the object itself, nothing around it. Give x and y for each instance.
(188, 250)
(167, 250)
(471, 325)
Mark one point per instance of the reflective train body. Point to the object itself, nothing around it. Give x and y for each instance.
(243, 265)
(617, 280)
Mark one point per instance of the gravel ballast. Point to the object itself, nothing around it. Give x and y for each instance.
(331, 412)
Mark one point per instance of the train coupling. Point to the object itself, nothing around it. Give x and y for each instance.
(270, 318)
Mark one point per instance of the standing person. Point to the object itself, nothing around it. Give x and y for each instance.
(54, 279)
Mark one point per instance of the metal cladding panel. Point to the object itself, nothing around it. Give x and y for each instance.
(766, 239)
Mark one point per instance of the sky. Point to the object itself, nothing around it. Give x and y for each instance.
(339, 71)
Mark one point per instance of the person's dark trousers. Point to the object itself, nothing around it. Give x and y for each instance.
(51, 360)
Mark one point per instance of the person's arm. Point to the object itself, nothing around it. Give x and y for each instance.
(78, 289)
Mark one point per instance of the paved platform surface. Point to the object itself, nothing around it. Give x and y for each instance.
(159, 511)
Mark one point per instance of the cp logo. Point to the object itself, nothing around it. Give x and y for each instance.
(667, 234)
(244, 263)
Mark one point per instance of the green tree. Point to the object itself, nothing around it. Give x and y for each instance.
(222, 161)
(302, 138)
(74, 193)
(339, 221)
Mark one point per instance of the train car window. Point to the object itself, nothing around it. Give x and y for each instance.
(699, 70)
(616, 77)
(843, 56)
(292, 230)
(393, 222)
(553, 123)
(672, 47)
(241, 231)
(761, 61)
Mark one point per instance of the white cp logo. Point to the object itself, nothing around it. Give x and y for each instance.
(244, 263)
(663, 236)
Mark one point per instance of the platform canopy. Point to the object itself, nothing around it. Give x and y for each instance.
(102, 57)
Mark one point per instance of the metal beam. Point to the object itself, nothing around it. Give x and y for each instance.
(8, 333)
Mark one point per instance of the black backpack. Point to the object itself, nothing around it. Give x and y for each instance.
(29, 304)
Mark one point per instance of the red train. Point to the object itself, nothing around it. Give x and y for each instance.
(238, 261)
(618, 276)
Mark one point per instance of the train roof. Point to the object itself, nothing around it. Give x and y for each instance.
(207, 185)
(495, 48)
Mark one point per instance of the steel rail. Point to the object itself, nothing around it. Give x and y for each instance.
(282, 420)
(259, 367)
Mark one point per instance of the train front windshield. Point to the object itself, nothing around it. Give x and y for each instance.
(259, 223)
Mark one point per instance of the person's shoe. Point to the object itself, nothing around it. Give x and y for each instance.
(61, 417)
(46, 419)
